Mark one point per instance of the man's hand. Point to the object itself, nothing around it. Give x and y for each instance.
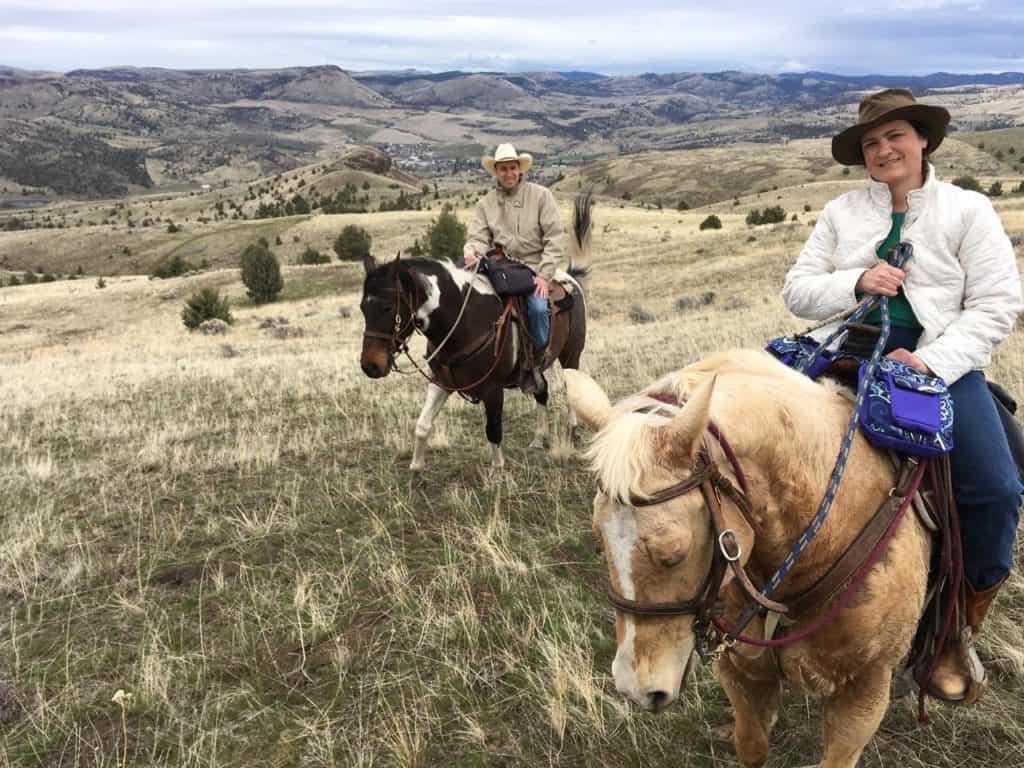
(471, 257)
(881, 280)
(909, 358)
(541, 286)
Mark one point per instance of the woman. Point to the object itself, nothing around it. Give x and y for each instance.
(955, 300)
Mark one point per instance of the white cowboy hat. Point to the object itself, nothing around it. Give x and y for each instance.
(503, 154)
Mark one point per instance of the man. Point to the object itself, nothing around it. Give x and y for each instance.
(522, 218)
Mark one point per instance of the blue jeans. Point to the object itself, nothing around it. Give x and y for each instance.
(538, 320)
(985, 479)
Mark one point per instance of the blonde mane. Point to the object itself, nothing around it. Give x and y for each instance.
(622, 452)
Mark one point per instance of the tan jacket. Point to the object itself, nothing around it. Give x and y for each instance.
(525, 222)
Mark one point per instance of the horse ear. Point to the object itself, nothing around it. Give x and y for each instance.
(587, 399)
(398, 256)
(680, 439)
(369, 263)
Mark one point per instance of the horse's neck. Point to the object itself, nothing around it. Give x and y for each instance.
(788, 476)
(442, 311)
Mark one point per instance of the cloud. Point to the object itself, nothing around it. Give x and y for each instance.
(909, 36)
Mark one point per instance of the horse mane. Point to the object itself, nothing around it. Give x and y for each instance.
(623, 451)
(439, 268)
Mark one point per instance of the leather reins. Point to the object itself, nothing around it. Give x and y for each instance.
(726, 550)
(400, 331)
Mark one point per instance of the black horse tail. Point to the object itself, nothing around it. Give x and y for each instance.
(579, 247)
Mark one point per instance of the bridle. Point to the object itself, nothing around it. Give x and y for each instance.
(400, 331)
(726, 553)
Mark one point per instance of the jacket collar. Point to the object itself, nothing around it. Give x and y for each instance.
(511, 196)
(881, 197)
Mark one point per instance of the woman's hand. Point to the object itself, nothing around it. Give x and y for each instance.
(881, 280)
(909, 358)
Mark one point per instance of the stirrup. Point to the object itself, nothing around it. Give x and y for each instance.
(976, 677)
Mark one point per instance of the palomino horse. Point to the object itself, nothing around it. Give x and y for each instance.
(474, 347)
(660, 545)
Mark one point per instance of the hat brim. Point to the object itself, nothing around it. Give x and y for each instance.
(525, 162)
(846, 149)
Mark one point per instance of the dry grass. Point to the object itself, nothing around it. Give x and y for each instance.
(236, 541)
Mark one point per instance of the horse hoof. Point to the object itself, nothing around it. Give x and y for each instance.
(725, 734)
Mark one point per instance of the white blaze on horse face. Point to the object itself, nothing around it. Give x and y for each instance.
(650, 659)
(620, 535)
(431, 302)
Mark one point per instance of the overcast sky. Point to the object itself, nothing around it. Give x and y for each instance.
(626, 37)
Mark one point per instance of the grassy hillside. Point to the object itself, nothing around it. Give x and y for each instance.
(704, 176)
(224, 529)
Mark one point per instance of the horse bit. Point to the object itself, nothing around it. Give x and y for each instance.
(726, 554)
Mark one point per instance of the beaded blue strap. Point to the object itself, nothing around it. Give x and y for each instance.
(903, 253)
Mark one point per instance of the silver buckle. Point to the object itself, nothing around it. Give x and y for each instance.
(724, 551)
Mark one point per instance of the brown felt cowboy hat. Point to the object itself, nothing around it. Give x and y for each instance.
(882, 107)
(505, 153)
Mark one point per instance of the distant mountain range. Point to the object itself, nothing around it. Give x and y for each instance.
(104, 132)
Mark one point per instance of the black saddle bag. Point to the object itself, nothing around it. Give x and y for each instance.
(509, 278)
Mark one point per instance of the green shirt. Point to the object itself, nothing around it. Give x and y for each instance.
(900, 311)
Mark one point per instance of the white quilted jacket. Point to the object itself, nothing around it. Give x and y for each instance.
(962, 280)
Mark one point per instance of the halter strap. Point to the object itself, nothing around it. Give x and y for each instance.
(726, 552)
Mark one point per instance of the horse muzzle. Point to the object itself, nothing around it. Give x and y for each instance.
(376, 369)
(375, 361)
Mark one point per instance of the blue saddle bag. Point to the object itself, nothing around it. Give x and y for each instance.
(906, 410)
(903, 409)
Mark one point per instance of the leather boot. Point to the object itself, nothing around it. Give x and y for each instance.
(959, 676)
(533, 381)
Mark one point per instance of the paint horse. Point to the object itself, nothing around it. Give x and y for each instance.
(668, 496)
(473, 346)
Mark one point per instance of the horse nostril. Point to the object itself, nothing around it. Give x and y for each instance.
(657, 700)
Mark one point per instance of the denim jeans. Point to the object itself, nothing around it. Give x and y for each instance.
(986, 484)
(538, 320)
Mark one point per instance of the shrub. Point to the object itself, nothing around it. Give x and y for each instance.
(312, 256)
(261, 273)
(446, 235)
(31, 278)
(683, 206)
(711, 222)
(967, 182)
(770, 215)
(172, 228)
(203, 305)
(640, 315)
(100, 282)
(175, 266)
(353, 244)
(686, 303)
(996, 189)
